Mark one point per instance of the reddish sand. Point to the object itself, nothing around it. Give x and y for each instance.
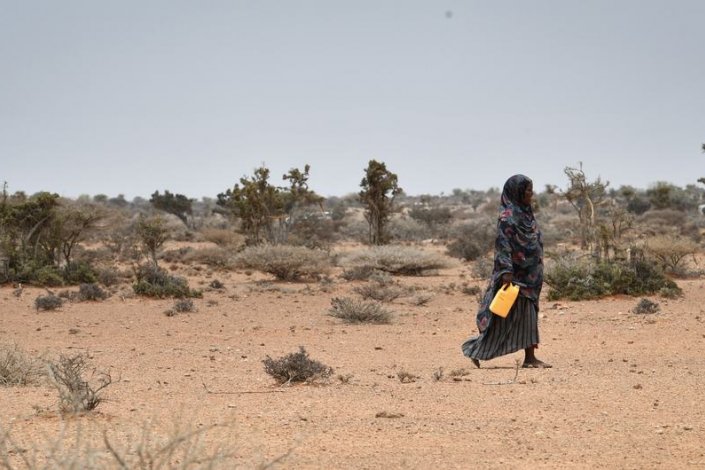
(626, 390)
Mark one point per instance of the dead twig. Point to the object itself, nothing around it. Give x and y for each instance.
(507, 382)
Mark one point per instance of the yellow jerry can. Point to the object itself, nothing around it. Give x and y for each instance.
(504, 299)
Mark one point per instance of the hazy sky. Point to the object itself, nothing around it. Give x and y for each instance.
(128, 97)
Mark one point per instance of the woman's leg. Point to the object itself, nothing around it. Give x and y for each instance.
(530, 360)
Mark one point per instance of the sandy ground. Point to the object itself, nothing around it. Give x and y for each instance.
(626, 390)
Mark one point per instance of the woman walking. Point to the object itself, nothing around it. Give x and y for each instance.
(519, 259)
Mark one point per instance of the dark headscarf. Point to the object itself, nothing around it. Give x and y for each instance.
(518, 248)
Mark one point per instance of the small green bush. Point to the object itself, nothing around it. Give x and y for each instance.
(48, 302)
(296, 367)
(286, 263)
(353, 311)
(583, 280)
(672, 292)
(79, 272)
(396, 259)
(91, 292)
(153, 281)
(45, 276)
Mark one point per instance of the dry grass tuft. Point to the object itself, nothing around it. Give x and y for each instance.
(353, 311)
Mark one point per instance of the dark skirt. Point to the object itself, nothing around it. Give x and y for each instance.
(520, 330)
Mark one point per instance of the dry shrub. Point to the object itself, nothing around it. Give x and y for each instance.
(355, 229)
(396, 259)
(421, 299)
(313, 231)
(663, 220)
(473, 239)
(177, 255)
(471, 290)
(108, 276)
(48, 302)
(286, 263)
(93, 292)
(76, 394)
(17, 368)
(359, 273)
(352, 311)
(407, 229)
(215, 257)
(407, 377)
(184, 306)
(223, 237)
(646, 306)
(482, 267)
(81, 445)
(381, 291)
(669, 251)
(296, 367)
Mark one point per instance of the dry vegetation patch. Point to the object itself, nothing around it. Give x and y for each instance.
(17, 368)
(48, 302)
(359, 311)
(76, 393)
(183, 446)
(296, 367)
(286, 263)
(396, 259)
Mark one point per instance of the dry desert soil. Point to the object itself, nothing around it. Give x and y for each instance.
(626, 390)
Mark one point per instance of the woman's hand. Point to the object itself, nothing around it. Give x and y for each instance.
(507, 278)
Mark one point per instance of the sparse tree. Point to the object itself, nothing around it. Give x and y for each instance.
(267, 212)
(152, 232)
(585, 196)
(379, 188)
(71, 224)
(175, 204)
(24, 228)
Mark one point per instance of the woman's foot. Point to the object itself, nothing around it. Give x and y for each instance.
(536, 364)
(476, 362)
(530, 361)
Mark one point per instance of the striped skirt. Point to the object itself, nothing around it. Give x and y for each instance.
(520, 330)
